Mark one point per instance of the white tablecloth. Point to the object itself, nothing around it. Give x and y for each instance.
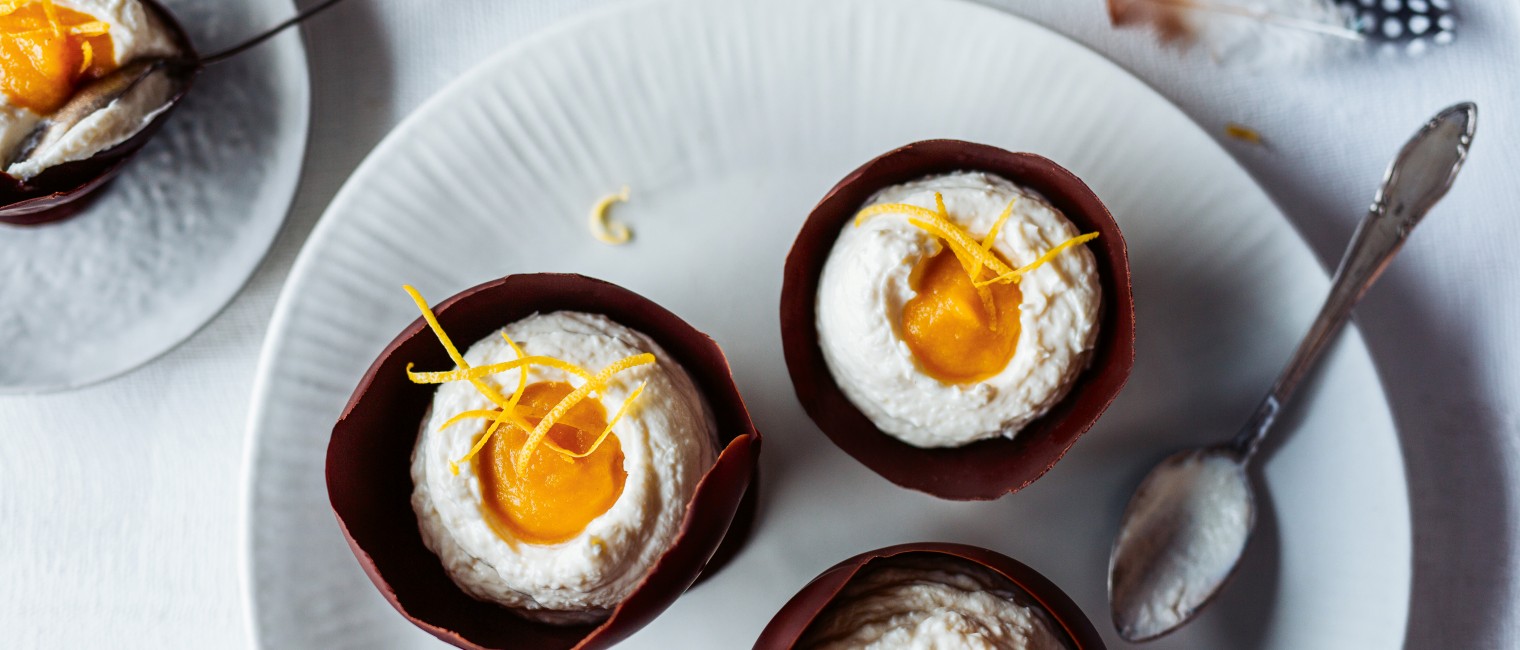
(120, 504)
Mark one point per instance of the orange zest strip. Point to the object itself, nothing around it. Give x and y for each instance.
(52, 16)
(932, 222)
(542, 430)
(557, 364)
(95, 28)
(974, 267)
(477, 372)
(469, 415)
(448, 346)
(1017, 274)
(997, 226)
(972, 254)
(937, 223)
(522, 377)
(508, 411)
(605, 432)
(605, 231)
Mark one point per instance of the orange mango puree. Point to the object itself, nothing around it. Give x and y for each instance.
(556, 495)
(42, 62)
(947, 325)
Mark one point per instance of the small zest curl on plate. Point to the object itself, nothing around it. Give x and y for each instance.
(602, 227)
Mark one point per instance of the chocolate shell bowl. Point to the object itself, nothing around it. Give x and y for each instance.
(370, 487)
(1064, 619)
(985, 469)
(62, 191)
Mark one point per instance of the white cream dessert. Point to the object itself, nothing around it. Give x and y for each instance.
(49, 50)
(929, 356)
(565, 530)
(938, 603)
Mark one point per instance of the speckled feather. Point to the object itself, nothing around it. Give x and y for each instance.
(1253, 32)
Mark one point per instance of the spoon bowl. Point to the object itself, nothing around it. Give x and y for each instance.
(1184, 532)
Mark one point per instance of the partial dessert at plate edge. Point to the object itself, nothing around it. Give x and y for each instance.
(571, 534)
(86, 84)
(929, 595)
(955, 316)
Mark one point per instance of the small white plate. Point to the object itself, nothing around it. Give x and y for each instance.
(175, 237)
(729, 120)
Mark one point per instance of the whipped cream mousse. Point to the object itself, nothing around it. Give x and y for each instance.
(930, 602)
(957, 308)
(559, 523)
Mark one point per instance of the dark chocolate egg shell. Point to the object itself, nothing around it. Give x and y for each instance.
(62, 191)
(789, 624)
(370, 485)
(985, 469)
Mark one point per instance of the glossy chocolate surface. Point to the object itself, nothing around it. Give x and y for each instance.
(370, 485)
(792, 621)
(985, 469)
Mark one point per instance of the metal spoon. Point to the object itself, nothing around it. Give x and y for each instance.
(1188, 523)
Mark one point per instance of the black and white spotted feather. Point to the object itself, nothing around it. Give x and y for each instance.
(1413, 25)
(1285, 31)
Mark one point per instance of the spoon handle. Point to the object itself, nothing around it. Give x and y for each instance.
(1417, 179)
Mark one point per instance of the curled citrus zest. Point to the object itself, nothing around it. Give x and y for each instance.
(558, 364)
(493, 413)
(469, 415)
(453, 352)
(997, 226)
(971, 265)
(509, 411)
(1017, 274)
(967, 249)
(93, 28)
(938, 224)
(522, 377)
(981, 290)
(507, 414)
(623, 410)
(508, 407)
(485, 414)
(973, 268)
(432, 322)
(605, 231)
(476, 372)
(52, 17)
(539, 432)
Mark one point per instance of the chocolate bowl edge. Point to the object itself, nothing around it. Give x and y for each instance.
(985, 469)
(369, 482)
(789, 624)
(65, 190)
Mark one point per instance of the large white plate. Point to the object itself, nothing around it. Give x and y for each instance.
(175, 237)
(729, 120)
